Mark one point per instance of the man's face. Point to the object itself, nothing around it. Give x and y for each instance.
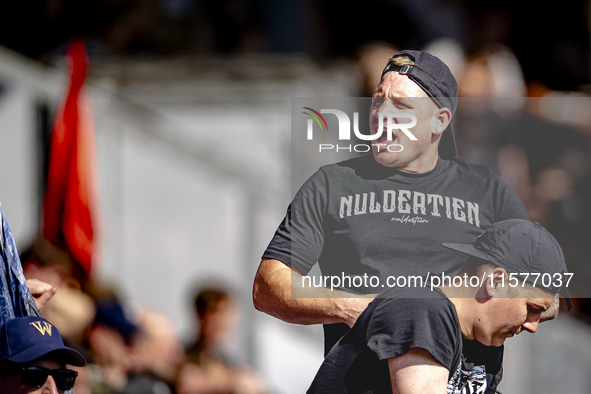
(14, 383)
(397, 93)
(511, 313)
(217, 323)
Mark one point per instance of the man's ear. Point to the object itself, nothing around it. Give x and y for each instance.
(442, 120)
(496, 282)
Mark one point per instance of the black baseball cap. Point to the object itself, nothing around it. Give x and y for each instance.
(520, 246)
(26, 339)
(435, 78)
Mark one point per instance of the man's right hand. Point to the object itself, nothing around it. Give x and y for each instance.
(278, 291)
(41, 292)
(355, 308)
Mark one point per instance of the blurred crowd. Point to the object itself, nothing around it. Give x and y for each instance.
(545, 39)
(135, 349)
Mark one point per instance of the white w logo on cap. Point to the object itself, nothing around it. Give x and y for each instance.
(46, 327)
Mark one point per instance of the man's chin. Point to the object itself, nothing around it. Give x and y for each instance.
(387, 159)
(498, 341)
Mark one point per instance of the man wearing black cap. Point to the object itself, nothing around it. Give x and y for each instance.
(410, 340)
(33, 358)
(412, 74)
(385, 213)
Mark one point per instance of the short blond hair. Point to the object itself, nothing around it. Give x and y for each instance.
(401, 60)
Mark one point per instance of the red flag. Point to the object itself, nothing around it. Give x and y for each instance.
(70, 201)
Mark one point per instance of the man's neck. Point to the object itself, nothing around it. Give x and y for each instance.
(425, 163)
(463, 299)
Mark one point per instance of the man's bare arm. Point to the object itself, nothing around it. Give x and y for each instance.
(278, 291)
(416, 371)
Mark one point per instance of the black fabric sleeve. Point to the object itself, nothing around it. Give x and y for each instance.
(400, 324)
(506, 203)
(299, 239)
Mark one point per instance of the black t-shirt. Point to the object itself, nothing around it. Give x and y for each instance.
(358, 218)
(395, 322)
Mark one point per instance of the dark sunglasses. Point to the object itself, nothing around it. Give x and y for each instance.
(35, 377)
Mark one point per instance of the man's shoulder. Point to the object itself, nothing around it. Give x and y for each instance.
(472, 170)
(414, 300)
(415, 318)
(417, 291)
(479, 179)
(462, 165)
(337, 173)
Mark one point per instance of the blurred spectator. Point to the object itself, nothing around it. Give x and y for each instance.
(514, 169)
(110, 340)
(372, 57)
(492, 91)
(216, 316)
(71, 310)
(46, 263)
(208, 369)
(48, 271)
(42, 260)
(552, 184)
(156, 355)
(494, 72)
(450, 52)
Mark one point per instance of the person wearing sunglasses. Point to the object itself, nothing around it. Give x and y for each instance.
(33, 358)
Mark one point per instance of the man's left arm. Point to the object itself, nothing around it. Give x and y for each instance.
(416, 371)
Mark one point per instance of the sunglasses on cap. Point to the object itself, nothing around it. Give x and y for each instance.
(35, 377)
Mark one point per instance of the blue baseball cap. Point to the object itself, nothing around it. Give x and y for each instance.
(434, 78)
(26, 339)
(520, 246)
(110, 313)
